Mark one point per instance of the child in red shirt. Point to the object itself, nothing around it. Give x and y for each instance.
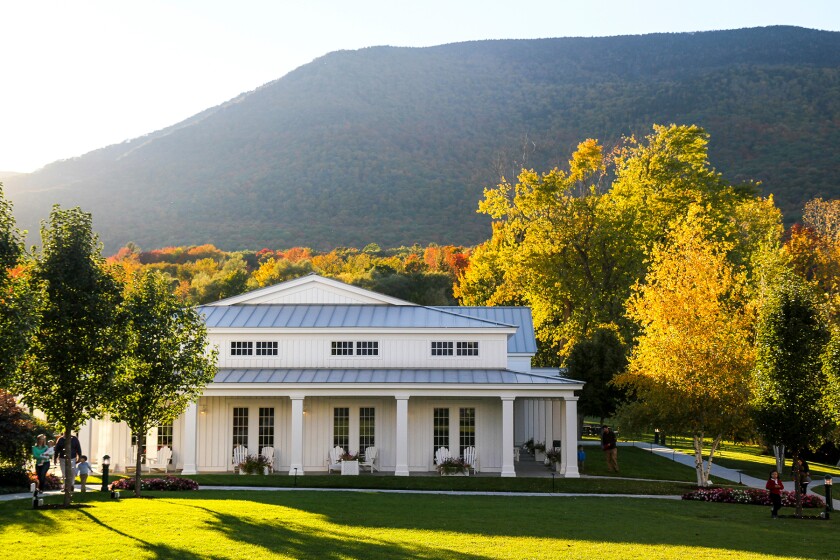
(774, 487)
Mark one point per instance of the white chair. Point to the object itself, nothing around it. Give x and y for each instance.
(268, 453)
(164, 454)
(240, 454)
(334, 460)
(441, 455)
(471, 458)
(370, 459)
(131, 459)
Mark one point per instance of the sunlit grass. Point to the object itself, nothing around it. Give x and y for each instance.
(749, 460)
(335, 525)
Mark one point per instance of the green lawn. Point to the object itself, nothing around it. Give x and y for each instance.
(748, 459)
(336, 525)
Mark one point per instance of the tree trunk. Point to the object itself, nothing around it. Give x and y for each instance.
(698, 459)
(137, 468)
(797, 478)
(779, 454)
(712, 450)
(69, 477)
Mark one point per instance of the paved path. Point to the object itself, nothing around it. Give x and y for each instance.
(718, 471)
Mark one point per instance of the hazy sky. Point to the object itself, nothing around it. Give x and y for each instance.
(80, 75)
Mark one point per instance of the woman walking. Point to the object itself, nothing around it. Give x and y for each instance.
(774, 487)
(42, 461)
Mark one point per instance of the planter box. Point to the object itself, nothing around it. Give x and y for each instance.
(455, 473)
(539, 456)
(350, 467)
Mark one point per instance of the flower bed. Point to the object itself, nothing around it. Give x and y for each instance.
(453, 465)
(754, 496)
(167, 483)
(51, 482)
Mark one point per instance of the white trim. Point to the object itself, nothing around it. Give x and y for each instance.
(291, 285)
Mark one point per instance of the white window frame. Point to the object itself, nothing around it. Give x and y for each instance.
(269, 348)
(241, 348)
(442, 348)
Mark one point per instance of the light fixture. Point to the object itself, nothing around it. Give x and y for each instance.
(202, 409)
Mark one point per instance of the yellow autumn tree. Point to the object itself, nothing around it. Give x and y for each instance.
(690, 370)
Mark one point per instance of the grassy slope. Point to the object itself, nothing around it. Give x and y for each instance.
(335, 525)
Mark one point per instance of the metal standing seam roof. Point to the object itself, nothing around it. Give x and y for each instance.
(388, 376)
(340, 316)
(523, 342)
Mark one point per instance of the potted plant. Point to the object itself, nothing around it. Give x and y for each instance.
(539, 452)
(254, 464)
(453, 466)
(350, 463)
(554, 458)
(529, 445)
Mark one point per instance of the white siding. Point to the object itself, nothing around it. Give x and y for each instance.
(395, 351)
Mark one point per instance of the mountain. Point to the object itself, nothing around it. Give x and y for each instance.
(395, 145)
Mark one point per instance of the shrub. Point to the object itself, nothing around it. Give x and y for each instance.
(754, 496)
(168, 483)
(13, 478)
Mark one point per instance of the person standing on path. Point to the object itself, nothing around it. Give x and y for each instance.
(804, 476)
(608, 444)
(774, 487)
(75, 452)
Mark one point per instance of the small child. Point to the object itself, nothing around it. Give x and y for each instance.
(50, 452)
(84, 469)
(581, 459)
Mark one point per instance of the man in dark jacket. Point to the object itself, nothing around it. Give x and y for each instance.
(61, 453)
(608, 444)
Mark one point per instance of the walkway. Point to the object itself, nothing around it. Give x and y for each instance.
(718, 471)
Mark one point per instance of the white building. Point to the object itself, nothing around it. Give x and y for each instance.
(312, 363)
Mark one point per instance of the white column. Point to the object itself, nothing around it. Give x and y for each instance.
(549, 424)
(507, 437)
(566, 452)
(296, 466)
(570, 441)
(402, 436)
(190, 439)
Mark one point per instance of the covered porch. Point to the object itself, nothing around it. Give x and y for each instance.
(405, 414)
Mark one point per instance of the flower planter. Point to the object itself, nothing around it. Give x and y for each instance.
(350, 468)
(265, 471)
(539, 456)
(454, 473)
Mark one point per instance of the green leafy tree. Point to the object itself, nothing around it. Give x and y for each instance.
(792, 403)
(18, 296)
(597, 359)
(166, 363)
(68, 370)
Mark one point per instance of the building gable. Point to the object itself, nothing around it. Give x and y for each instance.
(311, 289)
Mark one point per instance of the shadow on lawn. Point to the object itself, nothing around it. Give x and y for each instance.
(159, 550)
(669, 523)
(298, 541)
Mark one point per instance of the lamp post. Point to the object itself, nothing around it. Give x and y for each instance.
(106, 463)
(829, 505)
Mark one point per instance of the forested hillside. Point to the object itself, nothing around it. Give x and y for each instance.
(395, 145)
